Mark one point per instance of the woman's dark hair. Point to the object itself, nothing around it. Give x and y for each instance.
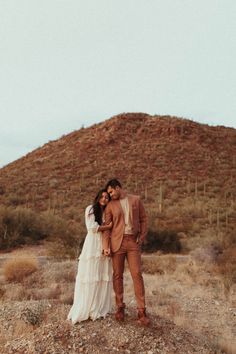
(113, 183)
(96, 208)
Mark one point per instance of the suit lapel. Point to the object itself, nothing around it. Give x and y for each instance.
(130, 201)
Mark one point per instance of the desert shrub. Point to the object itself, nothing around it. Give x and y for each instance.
(67, 272)
(52, 292)
(167, 241)
(15, 199)
(16, 292)
(24, 226)
(2, 292)
(66, 238)
(2, 189)
(193, 209)
(20, 226)
(32, 316)
(16, 270)
(226, 259)
(226, 267)
(196, 228)
(59, 272)
(67, 295)
(175, 197)
(72, 214)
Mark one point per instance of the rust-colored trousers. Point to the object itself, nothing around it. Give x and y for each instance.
(131, 250)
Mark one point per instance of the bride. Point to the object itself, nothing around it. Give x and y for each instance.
(92, 294)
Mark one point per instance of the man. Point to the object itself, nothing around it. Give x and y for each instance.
(124, 240)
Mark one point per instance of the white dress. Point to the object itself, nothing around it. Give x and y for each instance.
(93, 286)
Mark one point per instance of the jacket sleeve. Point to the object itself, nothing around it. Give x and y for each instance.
(143, 221)
(90, 222)
(107, 234)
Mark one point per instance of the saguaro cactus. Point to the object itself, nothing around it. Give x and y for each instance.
(188, 186)
(136, 184)
(210, 216)
(146, 192)
(218, 219)
(160, 198)
(226, 219)
(196, 188)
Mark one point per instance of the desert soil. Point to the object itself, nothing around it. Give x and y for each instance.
(186, 317)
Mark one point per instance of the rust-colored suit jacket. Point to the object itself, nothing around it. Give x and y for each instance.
(114, 212)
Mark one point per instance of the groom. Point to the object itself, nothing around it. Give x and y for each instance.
(127, 214)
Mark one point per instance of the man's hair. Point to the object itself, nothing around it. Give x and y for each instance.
(113, 183)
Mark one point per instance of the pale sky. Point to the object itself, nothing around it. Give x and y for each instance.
(68, 63)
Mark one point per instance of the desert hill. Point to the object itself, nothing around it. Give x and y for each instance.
(185, 173)
(182, 169)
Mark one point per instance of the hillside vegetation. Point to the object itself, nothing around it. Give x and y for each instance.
(184, 171)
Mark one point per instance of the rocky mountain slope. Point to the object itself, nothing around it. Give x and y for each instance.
(171, 162)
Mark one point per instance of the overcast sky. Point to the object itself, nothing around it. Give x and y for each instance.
(68, 63)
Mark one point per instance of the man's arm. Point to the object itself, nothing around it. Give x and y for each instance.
(143, 222)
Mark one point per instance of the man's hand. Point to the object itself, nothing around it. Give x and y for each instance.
(139, 242)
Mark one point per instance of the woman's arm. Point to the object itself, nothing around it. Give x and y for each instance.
(90, 222)
(92, 225)
(105, 227)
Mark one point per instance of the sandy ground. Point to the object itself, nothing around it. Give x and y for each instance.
(189, 309)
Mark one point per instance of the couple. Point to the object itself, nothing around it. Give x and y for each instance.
(116, 228)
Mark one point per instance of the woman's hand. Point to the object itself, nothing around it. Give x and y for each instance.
(107, 252)
(109, 226)
(105, 227)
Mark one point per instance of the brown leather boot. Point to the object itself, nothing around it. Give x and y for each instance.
(120, 314)
(143, 318)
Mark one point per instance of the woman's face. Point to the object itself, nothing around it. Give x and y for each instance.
(103, 201)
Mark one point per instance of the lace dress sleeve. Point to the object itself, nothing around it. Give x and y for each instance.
(90, 222)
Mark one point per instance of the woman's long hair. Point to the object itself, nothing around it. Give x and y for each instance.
(96, 208)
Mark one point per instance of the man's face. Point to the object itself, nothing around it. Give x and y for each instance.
(114, 192)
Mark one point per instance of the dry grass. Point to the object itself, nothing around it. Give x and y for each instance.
(226, 267)
(155, 264)
(226, 346)
(54, 281)
(181, 290)
(16, 270)
(16, 292)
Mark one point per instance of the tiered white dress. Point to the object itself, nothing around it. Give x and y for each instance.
(93, 286)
